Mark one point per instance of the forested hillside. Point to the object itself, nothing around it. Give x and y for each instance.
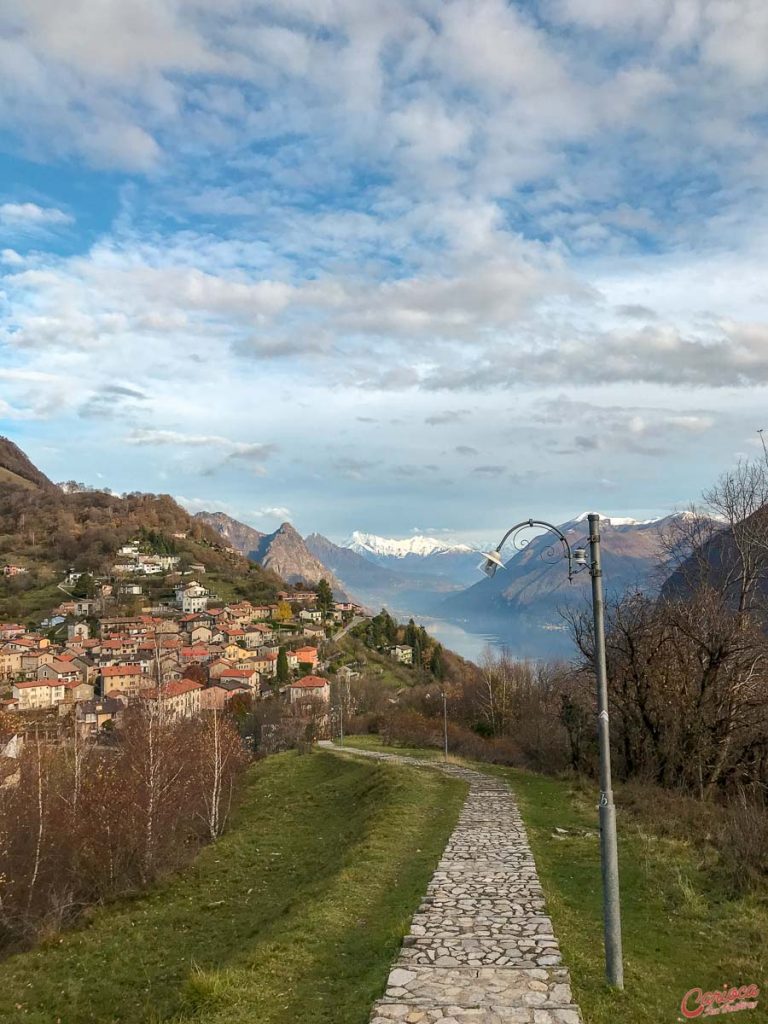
(47, 530)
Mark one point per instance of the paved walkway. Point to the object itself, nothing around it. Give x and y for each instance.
(481, 948)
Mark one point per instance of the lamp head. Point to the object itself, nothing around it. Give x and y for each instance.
(579, 556)
(491, 564)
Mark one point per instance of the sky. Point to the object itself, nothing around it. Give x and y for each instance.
(387, 265)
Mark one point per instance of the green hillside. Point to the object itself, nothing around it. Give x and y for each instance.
(48, 530)
(294, 915)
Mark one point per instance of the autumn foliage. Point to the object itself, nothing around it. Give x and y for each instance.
(85, 823)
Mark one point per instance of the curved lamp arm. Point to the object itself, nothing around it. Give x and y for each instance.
(493, 558)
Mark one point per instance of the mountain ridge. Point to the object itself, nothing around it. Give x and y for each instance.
(46, 530)
(530, 584)
(419, 544)
(283, 552)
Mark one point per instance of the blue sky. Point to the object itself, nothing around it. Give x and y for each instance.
(414, 264)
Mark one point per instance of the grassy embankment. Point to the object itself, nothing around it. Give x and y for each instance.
(389, 674)
(681, 928)
(294, 915)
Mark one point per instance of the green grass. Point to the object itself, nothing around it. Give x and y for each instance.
(680, 929)
(293, 916)
(24, 603)
(360, 742)
(389, 674)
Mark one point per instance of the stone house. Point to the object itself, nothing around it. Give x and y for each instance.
(402, 653)
(216, 696)
(127, 678)
(181, 697)
(309, 687)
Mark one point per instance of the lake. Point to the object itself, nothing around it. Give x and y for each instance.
(530, 640)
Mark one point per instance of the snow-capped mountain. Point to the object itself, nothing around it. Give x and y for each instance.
(393, 547)
(534, 584)
(617, 521)
(436, 564)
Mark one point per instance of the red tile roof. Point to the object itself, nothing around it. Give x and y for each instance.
(175, 688)
(121, 670)
(309, 683)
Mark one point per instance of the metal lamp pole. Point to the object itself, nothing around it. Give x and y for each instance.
(609, 858)
(341, 714)
(445, 726)
(609, 855)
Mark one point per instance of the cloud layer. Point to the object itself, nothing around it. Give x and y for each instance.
(489, 235)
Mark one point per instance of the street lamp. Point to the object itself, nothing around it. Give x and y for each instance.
(578, 560)
(340, 685)
(445, 721)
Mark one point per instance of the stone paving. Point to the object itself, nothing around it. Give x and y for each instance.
(481, 949)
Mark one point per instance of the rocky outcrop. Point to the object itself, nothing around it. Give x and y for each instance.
(282, 552)
(239, 536)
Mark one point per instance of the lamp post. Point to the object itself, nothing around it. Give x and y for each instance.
(445, 724)
(341, 711)
(341, 717)
(445, 721)
(578, 560)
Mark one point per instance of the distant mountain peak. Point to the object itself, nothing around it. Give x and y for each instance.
(393, 547)
(621, 522)
(286, 530)
(614, 520)
(283, 552)
(17, 468)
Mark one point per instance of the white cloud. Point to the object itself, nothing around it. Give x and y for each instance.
(273, 512)
(335, 205)
(246, 451)
(31, 215)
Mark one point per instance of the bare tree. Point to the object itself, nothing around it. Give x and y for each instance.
(222, 757)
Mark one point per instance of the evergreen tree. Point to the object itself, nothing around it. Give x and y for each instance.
(417, 660)
(436, 663)
(391, 629)
(283, 672)
(324, 597)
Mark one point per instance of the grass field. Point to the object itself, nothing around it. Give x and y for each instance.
(293, 916)
(389, 674)
(373, 743)
(680, 929)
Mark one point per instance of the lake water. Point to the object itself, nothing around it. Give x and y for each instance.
(469, 645)
(530, 640)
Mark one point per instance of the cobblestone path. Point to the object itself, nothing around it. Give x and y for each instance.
(481, 948)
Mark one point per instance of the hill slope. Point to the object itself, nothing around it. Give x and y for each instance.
(531, 586)
(16, 468)
(47, 530)
(283, 552)
(724, 556)
(293, 915)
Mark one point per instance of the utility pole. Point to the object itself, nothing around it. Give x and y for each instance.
(609, 859)
(609, 856)
(445, 725)
(341, 715)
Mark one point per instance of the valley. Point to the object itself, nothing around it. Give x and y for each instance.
(439, 584)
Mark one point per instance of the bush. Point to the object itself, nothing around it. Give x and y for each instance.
(413, 729)
(83, 824)
(742, 843)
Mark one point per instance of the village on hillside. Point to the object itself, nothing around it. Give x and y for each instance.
(85, 664)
